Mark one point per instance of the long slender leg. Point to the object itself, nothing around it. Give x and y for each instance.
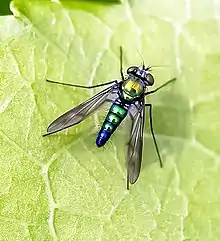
(163, 85)
(127, 181)
(121, 64)
(83, 86)
(152, 132)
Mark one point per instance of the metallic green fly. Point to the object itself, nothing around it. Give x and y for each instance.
(128, 98)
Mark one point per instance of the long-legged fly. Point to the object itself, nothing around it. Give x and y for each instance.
(128, 98)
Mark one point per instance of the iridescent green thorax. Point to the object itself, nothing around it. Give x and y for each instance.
(132, 88)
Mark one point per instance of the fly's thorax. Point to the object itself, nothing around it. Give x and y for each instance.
(132, 88)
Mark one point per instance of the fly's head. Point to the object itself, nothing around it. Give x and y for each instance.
(142, 74)
(137, 81)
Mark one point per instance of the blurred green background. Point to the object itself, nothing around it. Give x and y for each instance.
(4, 7)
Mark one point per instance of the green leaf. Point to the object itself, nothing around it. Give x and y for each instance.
(63, 187)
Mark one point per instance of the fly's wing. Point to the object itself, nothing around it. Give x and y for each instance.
(135, 144)
(80, 112)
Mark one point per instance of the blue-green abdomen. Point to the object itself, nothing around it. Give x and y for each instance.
(113, 119)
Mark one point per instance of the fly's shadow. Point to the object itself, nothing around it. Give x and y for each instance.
(172, 126)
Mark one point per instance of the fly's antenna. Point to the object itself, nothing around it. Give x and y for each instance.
(143, 65)
(157, 66)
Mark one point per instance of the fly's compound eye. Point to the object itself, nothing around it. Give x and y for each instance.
(150, 79)
(132, 69)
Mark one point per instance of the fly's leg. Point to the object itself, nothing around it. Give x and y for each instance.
(83, 86)
(160, 87)
(121, 64)
(152, 132)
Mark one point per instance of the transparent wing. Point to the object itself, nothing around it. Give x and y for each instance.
(135, 144)
(80, 112)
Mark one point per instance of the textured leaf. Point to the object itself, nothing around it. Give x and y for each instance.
(63, 187)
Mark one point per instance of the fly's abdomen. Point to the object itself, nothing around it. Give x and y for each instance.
(113, 119)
